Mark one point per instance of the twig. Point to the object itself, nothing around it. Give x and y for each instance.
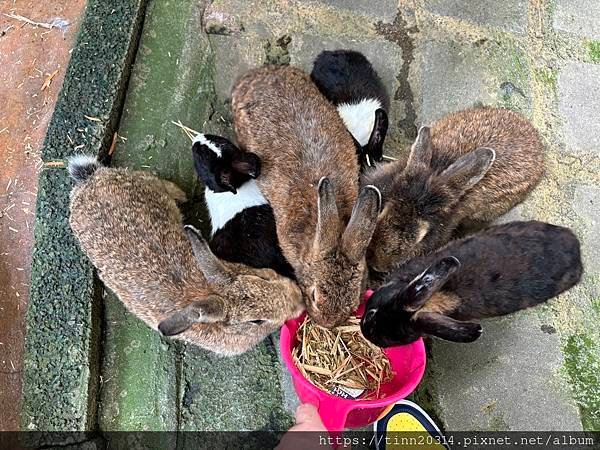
(48, 80)
(187, 130)
(113, 144)
(48, 26)
(390, 158)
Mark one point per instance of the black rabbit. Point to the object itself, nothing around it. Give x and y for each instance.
(503, 269)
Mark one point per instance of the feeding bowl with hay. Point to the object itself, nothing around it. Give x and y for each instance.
(349, 380)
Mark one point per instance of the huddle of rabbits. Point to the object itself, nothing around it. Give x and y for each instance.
(304, 208)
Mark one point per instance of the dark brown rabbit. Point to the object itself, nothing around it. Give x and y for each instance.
(310, 178)
(498, 271)
(130, 227)
(469, 168)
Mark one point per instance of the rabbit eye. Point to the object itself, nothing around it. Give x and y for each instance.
(370, 314)
(257, 322)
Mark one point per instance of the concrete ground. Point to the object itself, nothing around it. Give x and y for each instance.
(536, 57)
(32, 66)
(538, 369)
(535, 370)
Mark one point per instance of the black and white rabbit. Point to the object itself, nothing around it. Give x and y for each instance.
(347, 79)
(243, 225)
(501, 270)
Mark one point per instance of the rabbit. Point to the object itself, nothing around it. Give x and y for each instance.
(348, 80)
(469, 168)
(501, 270)
(310, 178)
(243, 225)
(129, 225)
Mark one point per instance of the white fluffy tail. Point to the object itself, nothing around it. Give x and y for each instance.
(81, 167)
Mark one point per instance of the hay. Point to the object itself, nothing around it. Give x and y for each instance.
(341, 358)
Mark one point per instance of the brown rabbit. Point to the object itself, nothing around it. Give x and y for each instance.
(310, 178)
(131, 229)
(469, 168)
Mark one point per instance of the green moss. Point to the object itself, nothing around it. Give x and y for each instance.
(582, 362)
(546, 76)
(510, 68)
(138, 374)
(498, 423)
(277, 53)
(594, 51)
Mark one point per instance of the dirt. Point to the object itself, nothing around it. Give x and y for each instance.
(33, 60)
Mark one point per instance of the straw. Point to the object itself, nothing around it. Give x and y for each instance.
(187, 130)
(340, 356)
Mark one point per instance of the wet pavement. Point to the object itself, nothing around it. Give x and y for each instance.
(33, 59)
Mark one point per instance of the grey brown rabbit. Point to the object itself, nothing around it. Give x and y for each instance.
(129, 225)
(468, 168)
(498, 271)
(310, 178)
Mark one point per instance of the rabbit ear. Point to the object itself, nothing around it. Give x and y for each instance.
(213, 269)
(209, 310)
(468, 170)
(421, 151)
(246, 163)
(431, 280)
(358, 233)
(446, 328)
(328, 222)
(375, 144)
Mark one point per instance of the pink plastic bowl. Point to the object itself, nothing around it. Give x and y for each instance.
(407, 361)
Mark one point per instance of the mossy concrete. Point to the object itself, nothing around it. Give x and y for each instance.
(448, 56)
(138, 377)
(170, 81)
(61, 356)
(96, 79)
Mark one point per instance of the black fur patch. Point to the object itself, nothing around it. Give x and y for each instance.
(250, 238)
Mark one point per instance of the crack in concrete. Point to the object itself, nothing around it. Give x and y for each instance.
(398, 32)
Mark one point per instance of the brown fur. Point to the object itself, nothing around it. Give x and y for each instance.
(280, 115)
(131, 229)
(440, 303)
(477, 192)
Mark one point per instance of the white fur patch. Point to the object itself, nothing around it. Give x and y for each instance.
(359, 118)
(82, 160)
(210, 144)
(223, 206)
(77, 161)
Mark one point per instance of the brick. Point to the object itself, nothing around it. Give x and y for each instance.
(510, 15)
(579, 106)
(579, 17)
(496, 384)
(384, 10)
(454, 76)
